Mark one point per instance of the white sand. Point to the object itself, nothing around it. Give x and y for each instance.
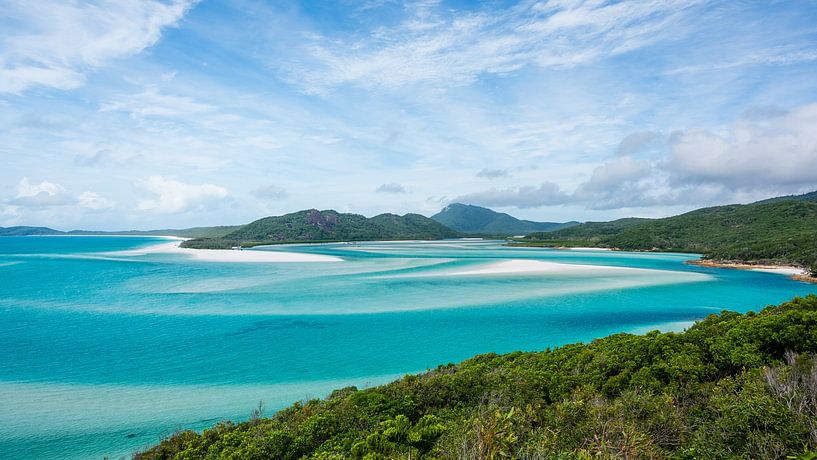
(589, 249)
(521, 266)
(226, 255)
(789, 271)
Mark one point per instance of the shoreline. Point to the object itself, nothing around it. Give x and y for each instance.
(794, 272)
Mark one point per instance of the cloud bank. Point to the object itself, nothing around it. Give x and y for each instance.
(759, 154)
(52, 43)
(173, 196)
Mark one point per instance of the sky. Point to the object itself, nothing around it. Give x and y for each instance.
(138, 114)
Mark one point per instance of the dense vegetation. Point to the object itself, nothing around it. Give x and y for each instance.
(313, 225)
(477, 220)
(731, 386)
(591, 230)
(811, 196)
(776, 231)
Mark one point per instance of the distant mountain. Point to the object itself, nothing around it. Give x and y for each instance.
(591, 229)
(28, 231)
(771, 231)
(194, 232)
(312, 225)
(811, 196)
(468, 218)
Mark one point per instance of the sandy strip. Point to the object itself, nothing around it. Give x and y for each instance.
(227, 255)
(521, 266)
(789, 270)
(588, 249)
(796, 273)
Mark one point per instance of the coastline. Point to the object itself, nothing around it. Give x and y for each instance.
(792, 271)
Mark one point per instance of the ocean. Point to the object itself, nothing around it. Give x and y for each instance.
(105, 349)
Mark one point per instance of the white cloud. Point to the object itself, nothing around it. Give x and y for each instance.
(546, 194)
(391, 188)
(768, 152)
(435, 46)
(176, 197)
(151, 102)
(94, 202)
(609, 176)
(637, 141)
(47, 194)
(53, 43)
(41, 195)
(493, 173)
(270, 192)
(783, 55)
(773, 151)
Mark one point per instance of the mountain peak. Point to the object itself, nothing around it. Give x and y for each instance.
(469, 218)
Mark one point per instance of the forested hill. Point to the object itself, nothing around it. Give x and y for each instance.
(27, 231)
(591, 230)
(811, 196)
(194, 232)
(783, 231)
(475, 219)
(312, 225)
(731, 386)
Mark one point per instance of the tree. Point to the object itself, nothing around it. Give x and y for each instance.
(400, 435)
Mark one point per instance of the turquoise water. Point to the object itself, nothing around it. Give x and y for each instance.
(106, 351)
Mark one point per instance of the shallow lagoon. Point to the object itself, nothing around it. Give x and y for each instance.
(106, 349)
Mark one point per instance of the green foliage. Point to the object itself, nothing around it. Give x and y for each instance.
(475, 219)
(590, 230)
(397, 436)
(322, 226)
(731, 386)
(778, 231)
(811, 196)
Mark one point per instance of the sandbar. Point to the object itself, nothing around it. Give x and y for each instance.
(228, 255)
(522, 266)
(794, 272)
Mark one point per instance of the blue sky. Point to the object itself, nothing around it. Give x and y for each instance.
(147, 114)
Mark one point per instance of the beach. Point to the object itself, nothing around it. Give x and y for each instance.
(793, 272)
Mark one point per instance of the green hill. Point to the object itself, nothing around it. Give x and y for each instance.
(811, 196)
(732, 386)
(775, 231)
(784, 231)
(312, 226)
(27, 231)
(194, 232)
(591, 229)
(475, 219)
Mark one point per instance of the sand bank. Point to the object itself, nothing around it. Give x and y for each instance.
(522, 266)
(226, 255)
(546, 269)
(797, 273)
